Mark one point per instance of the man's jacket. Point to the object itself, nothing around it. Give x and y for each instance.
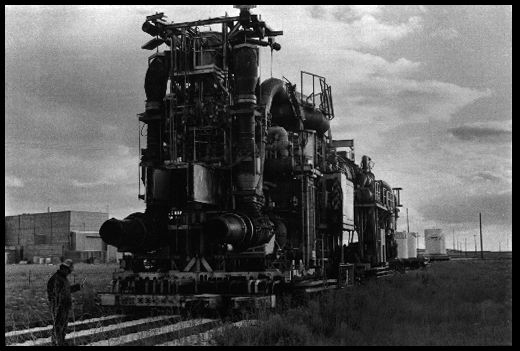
(59, 290)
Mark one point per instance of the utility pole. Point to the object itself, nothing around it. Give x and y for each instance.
(481, 248)
(465, 247)
(407, 223)
(453, 232)
(475, 238)
(50, 218)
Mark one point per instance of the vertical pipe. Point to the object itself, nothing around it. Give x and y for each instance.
(139, 161)
(173, 151)
(323, 254)
(376, 235)
(481, 248)
(453, 233)
(313, 102)
(342, 259)
(50, 216)
(301, 87)
(224, 45)
(305, 234)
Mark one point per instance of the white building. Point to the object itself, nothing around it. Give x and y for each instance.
(402, 244)
(435, 242)
(412, 244)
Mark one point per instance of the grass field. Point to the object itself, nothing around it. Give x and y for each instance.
(449, 303)
(26, 292)
(465, 302)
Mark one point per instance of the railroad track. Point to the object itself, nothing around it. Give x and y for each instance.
(162, 330)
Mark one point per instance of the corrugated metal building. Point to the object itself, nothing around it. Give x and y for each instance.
(70, 234)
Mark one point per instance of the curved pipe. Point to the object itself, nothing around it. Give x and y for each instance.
(129, 234)
(277, 101)
(275, 98)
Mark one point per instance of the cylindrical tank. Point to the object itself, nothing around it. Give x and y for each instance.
(315, 120)
(412, 245)
(155, 82)
(230, 228)
(402, 244)
(434, 240)
(239, 230)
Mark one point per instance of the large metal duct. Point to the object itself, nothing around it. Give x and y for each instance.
(230, 228)
(246, 77)
(240, 230)
(277, 102)
(130, 234)
(155, 85)
(246, 72)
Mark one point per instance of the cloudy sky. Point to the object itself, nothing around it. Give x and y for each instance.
(425, 91)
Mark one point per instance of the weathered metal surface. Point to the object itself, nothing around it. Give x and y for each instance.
(242, 176)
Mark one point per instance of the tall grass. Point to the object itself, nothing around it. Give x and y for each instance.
(450, 303)
(26, 293)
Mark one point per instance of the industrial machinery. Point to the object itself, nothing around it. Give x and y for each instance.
(247, 195)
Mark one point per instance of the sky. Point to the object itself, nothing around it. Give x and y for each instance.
(425, 91)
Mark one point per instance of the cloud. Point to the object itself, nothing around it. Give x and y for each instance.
(65, 180)
(496, 208)
(365, 26)
(414, 99)
(471, 133)
(486, 176)
(449, 33)
(13, 182)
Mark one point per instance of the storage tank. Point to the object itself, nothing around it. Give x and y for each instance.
(434, 240)
(402, 244)
(412, 245)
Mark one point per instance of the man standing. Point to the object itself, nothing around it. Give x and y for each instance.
(60, 301)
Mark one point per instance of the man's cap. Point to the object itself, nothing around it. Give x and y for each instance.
(68, 263)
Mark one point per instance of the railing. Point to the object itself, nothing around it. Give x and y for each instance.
(325, 96)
